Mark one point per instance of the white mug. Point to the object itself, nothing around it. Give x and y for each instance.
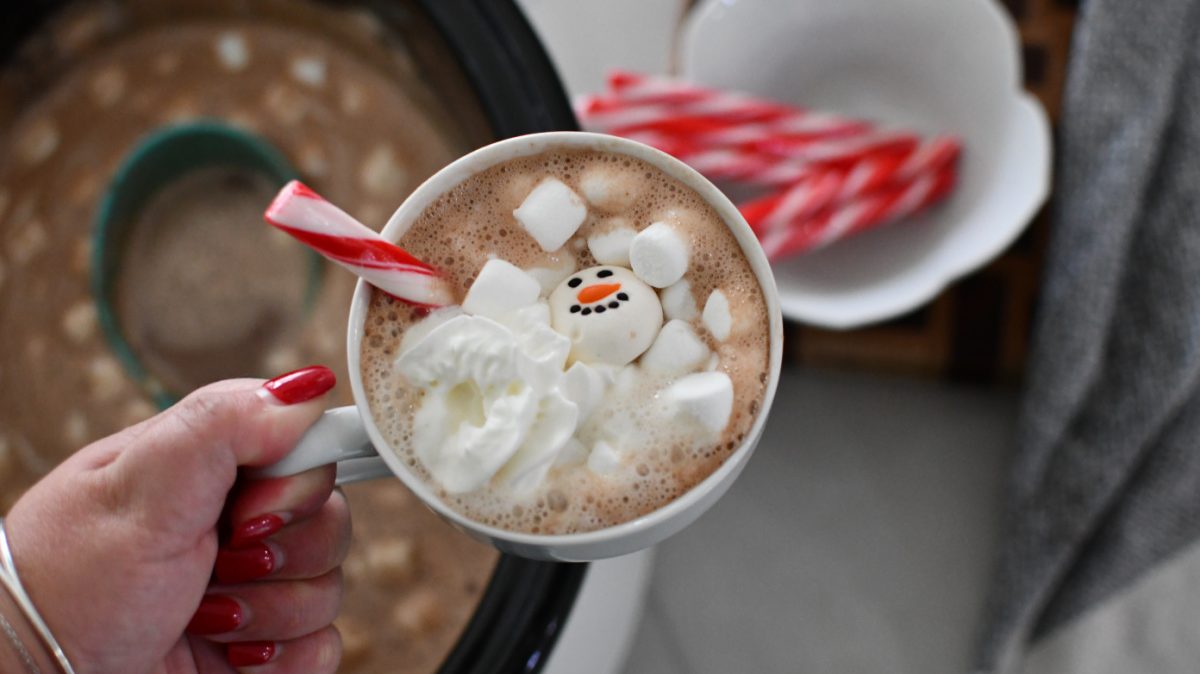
(348, 436)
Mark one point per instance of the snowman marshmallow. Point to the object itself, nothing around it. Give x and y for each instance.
(610, 315)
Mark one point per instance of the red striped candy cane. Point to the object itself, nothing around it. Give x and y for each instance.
(823, 188)
(866, 212)
(332, 232)
(642, 103)
(771, 169)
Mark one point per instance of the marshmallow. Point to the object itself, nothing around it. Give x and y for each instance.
(609, 315)
(612, 247)
(309, 70)
(678, 302)
(500, 289)
(659, 255)
(677, 350)
(553, 272)
(232, 52)
(417, 331)
(716, 317)
(706, 397)
(552, 213)
(609, 188)
(604, 458)
(585, 386)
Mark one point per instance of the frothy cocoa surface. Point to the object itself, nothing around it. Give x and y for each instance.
(473, 222)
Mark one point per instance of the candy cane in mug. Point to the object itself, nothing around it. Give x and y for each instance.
(332, 232)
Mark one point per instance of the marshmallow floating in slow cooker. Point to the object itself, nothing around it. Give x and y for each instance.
(608, 313)
(552, 213)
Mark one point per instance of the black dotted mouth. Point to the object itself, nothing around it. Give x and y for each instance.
(601, 307)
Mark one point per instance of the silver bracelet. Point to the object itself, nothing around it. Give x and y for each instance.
(19, 646)
(10, 579)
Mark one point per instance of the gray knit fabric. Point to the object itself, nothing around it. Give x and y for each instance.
(1106, 481)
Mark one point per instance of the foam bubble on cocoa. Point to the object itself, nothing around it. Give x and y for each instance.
(657, 461)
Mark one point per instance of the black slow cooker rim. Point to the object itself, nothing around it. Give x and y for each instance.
(507, 65)
(526, 603)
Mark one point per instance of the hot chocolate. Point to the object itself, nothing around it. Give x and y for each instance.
(609, 353)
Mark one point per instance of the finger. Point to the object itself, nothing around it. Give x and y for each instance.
(262, 507)
(175, 462)
(316, 653)
(252, 422)
(198, 654)
(306, 549)
(268, 611)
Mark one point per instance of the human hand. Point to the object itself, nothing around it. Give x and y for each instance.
(117, 546)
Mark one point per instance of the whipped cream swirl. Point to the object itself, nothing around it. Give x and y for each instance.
(491, 405)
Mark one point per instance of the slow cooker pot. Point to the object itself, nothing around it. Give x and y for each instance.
(479, 60)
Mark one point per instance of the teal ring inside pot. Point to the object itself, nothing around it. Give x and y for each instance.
(158, 159)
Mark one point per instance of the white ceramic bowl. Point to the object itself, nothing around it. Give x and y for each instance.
(936, 66)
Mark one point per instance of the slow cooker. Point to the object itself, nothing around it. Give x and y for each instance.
(483, 75)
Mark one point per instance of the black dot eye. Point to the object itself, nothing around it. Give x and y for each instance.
(600, 309)
(614, 304)
(622, 296)
(585, 312)
(574, 283)
(604, 273)
(575, 308)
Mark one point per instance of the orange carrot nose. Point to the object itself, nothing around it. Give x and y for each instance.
(597, 292)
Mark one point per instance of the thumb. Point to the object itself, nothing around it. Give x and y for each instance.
(188, 456)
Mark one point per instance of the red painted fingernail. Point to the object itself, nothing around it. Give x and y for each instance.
(240, 566)
(250, 653)
(303, 384)
(256, 529)
(217, 614)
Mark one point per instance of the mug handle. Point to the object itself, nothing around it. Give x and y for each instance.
(339, 437)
